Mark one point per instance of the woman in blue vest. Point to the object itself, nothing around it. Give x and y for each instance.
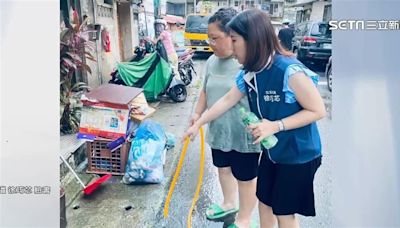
(282, 92)
(236, 160)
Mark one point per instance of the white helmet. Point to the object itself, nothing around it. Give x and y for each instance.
(160, 21)
(286, 21)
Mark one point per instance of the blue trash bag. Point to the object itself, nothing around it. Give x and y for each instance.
(146, 156)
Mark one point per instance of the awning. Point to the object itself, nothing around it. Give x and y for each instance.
(172, 19)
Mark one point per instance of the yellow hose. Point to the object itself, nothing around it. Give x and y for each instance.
(199, 181)
(177, 172)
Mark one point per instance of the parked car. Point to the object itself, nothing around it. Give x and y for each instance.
(312, 42)
(328, 73)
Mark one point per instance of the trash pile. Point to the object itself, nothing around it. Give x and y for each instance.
(121, 140)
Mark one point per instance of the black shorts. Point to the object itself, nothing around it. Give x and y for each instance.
(244, 166)
(287, 188)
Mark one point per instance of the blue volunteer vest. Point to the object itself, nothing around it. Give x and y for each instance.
(295, 146)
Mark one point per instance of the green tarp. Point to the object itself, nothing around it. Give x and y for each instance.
(131, 72)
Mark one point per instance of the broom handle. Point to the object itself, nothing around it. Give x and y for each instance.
(70, 168)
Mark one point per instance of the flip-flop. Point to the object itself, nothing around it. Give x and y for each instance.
(219, 212)
(233, 225)
(253, 224)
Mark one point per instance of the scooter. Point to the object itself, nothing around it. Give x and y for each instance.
(186, 66)
(174, 87)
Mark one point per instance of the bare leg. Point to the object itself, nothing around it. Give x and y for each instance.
(229, 188)
(267, 218)
(288, 221)
(247, 202)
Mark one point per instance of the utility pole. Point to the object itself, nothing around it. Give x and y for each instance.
(186, 8)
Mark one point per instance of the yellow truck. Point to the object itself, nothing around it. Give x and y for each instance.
(196, 37)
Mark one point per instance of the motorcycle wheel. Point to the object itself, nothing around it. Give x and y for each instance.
(178, 93)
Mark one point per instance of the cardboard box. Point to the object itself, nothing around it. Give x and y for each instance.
(112, 96)
(140, 108)
(104, 122)
(106, 110)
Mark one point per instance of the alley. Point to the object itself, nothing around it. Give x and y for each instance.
(119, 205)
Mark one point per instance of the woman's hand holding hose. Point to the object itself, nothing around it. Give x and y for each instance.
(192, 131)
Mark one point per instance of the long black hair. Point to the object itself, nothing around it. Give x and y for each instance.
(256, 29)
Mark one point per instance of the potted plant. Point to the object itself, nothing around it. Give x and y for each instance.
(75, 48)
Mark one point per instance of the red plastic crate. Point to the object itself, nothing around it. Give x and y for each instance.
(101, 160)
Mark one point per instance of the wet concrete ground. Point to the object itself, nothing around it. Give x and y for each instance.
(118, 205)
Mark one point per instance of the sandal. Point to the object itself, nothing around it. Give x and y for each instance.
(219, 212)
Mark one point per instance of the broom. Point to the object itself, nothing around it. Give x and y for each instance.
(87, 190)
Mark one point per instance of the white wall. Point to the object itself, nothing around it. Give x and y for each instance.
(317, 11)
(109, 59)
(289, 14)
(149, 7)
(93, 79)
(125, 22)
(135, 30)
(106, 16)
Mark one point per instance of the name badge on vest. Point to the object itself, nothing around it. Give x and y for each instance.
(272, 96)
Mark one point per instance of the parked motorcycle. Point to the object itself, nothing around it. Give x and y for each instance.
(140, 52)
(149, 69)
(186, 66)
